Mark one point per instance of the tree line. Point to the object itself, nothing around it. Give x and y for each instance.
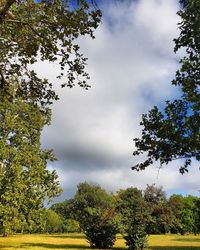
(134, 213)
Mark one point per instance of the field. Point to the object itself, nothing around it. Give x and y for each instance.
(77, 242)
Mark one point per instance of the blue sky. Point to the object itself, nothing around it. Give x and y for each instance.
(131, 64)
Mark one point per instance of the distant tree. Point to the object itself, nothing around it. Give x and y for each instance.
(176, 203)
(153, 194)
(161, 215)
(95, 211)
(64, 209)
(189, 215)
(197, 215)
(174, 133)
(162, 219)
(186, 213)
(127, 199)
(71, 226)
(53, 222)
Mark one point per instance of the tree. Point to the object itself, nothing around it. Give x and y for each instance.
(176, 203)
(153, 194)
(29, 31)
(197, 215)
(174, 133)
(45, 30)
(135, 233)
(160, 214)
(95, 211)
(53, 222)
(25, 181)
(126, 200)
(64, 209)
(71, 226)
(186, 212)
(134, 215)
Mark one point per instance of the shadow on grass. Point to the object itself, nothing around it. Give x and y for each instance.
(119, 237)
(174, 248)
(62, 246)
(55, 246)
(6, 246)
(67, 236)
(187, 239)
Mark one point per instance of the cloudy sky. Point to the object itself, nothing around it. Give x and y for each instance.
(131, 63)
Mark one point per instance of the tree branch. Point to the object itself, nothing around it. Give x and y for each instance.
(5, 9)
(2, 79)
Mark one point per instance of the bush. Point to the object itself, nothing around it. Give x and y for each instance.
(53, 222)
(94, 208)
(135, 233)
(101, 233)
(136, 238)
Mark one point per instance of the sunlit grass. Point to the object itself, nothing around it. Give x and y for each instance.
(78, 242)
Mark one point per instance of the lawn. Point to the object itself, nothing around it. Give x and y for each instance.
(78, 242)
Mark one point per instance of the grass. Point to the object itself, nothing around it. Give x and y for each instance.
(78, 242)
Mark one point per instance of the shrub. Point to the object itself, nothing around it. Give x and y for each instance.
(135, 233)
(94, 208)
(53, 222)
(136, 238)
(101, 230)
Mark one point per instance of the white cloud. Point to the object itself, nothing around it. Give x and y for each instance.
(131, 63)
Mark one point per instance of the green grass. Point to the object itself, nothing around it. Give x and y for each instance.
(78, 242)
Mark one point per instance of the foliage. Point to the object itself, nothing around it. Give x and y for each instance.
(25, 181)
(29, 31)
(64, 209)
(161, 216)
(53, 221)
(196, 212)
(100, 228)
(45, 30)
(95, 211)
(134, 215)
(126, 200)
(131, 212)
(188, 215)
(162, 219)
(153, 194)
(174, 133)
(135, 235)
(176, 203)
(71, 226)
(186, 212)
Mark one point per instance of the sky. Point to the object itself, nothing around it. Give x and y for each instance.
(131, 64)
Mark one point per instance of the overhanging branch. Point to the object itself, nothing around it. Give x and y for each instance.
(5, 9)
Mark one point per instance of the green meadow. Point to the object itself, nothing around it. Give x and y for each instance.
(78, 242)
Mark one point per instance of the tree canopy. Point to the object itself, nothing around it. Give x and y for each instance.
(45, 30)
(174, 132)
(25, 182)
